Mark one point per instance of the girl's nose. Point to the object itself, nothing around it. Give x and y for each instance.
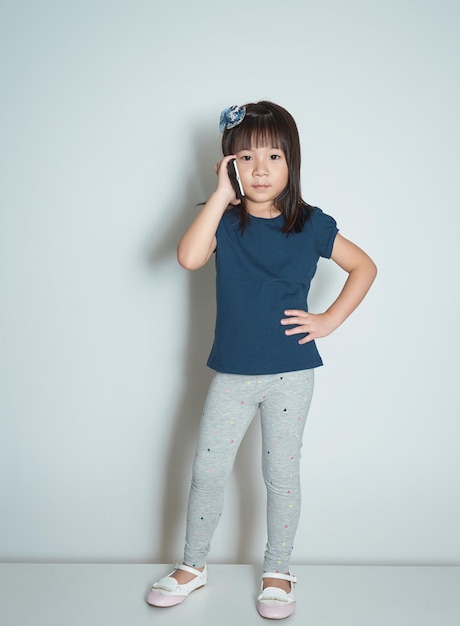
(259, 168)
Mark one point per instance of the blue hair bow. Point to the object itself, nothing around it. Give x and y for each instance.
(231, 117)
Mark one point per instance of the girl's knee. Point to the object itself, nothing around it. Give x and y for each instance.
(206, 477)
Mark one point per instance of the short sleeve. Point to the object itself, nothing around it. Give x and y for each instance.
(324, 231)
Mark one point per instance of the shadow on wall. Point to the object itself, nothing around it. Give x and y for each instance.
(196, 377)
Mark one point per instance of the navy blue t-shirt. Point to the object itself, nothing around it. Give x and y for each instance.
(260, 273)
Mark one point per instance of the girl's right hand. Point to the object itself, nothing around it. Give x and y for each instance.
(223, 180)
(199, 240)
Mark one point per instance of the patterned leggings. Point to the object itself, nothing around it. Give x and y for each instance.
(232, 402)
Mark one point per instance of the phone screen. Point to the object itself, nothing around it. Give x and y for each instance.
(234, 176)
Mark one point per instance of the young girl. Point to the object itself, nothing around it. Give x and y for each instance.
(267, 245)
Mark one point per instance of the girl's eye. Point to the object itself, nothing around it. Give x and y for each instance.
(275, 157)
(246, 157)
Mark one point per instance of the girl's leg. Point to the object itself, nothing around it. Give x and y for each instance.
(283, 416)
(229, 409)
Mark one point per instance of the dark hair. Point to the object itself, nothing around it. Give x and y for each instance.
(267, 123)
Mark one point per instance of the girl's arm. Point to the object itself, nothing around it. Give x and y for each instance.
(361, 274)
(199, 241)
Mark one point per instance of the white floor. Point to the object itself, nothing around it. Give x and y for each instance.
(113, 595)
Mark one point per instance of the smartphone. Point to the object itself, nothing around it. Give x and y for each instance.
(235, 179)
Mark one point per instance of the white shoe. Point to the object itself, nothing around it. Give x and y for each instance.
(273, 602)
(168, 592)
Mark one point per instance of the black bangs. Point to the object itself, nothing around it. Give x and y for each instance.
(258, 134)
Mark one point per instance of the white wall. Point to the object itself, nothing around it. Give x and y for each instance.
(109, 115)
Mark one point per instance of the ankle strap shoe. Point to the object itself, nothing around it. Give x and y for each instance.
(273, 602)
(167, 591)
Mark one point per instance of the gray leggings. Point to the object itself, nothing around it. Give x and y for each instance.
(232, 402)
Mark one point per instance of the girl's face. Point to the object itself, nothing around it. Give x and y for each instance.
(263, 172)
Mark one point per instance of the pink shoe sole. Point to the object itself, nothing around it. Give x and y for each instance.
(275, 611)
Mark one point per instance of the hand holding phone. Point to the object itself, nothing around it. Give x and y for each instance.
(235, 179)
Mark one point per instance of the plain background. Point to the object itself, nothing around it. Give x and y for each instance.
(109, 135)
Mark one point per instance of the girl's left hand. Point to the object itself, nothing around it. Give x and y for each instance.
(315, 324)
